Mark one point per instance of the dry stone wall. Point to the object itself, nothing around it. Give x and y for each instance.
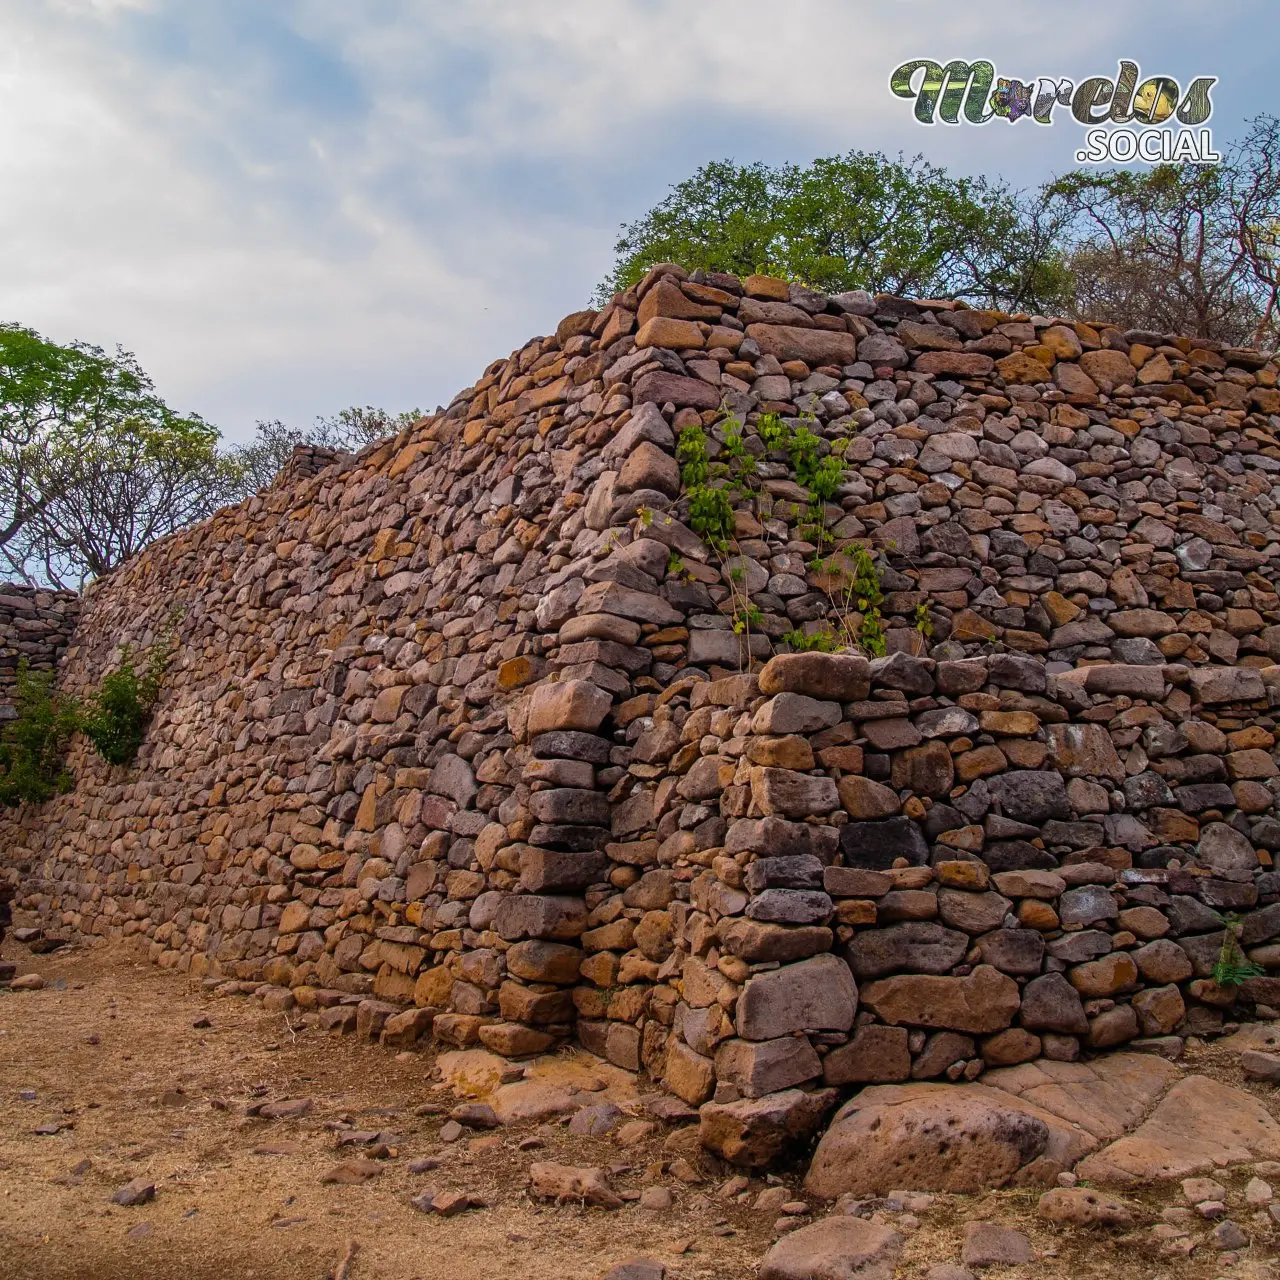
(461, 738)
(36, 626)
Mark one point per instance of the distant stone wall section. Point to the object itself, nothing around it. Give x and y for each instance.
(460, 738)
(36, 624)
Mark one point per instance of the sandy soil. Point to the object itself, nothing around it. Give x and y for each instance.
(112, 1054)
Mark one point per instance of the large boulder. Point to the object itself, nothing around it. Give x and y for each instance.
(836, 677)
(1051, 1003)
(1223, 848)
(940, 1137)
(916, 946)
(1031, 795)
(879, 844)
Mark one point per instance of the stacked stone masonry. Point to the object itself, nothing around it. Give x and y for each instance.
(460, 740)
(36, 625)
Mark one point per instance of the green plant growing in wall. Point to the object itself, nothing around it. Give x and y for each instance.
(868, 596)
(1233, 967)
(692, 456)
(773, 432)
(823, 640)
(746, 616)
(115, 719)
(711, 516)
(802, 448)
(33, 745)
(923, 622)
(851, 583)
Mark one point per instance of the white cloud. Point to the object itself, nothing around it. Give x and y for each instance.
(286, 208)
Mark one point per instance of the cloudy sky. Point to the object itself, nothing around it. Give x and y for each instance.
(288, 206)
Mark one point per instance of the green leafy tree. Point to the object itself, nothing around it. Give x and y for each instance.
(856, 221)
(93, 463)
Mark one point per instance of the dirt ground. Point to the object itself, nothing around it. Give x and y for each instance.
(110, 1055)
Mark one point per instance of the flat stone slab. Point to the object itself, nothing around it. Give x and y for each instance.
(1105, 1098)
(1123, 1119)
(1200, 1125)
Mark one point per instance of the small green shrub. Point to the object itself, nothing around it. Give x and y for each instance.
(822, 641)
(33, 745)
(826, 478)
(773, 432)
(924, 620)
(115, 720)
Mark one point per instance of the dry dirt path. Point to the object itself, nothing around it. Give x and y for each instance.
(112, 1054)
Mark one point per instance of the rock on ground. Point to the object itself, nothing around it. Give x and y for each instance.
(837, 1248)
(987, 1244)
(562, 1182)
(1083, 1207)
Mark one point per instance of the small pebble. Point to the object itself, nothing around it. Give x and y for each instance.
(139, 1191)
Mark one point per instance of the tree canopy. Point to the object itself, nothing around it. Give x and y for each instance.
(93, 463)
(856, 221)
(1178, 247)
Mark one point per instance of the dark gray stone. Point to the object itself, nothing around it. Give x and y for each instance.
(791, 906)
(570, 744)
(878, 844)
(1087, 905)
(1204, 795)
(1012, 671)
(1145, 790)
(1189, 915)
(1018, 855)
(1051, 1003)
(917, 946)
(1016, 951)
(1031, 795)
(799, 871)
(1076, 948)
